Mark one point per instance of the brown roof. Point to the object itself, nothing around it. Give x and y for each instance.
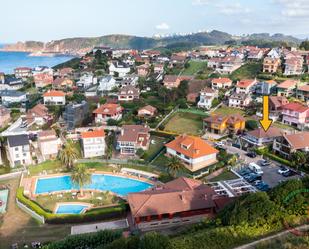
(129, 90)
(299, 140)
(131, 133)
(196, 147)
(179, 199)
(39, 110)
(54, 93)
(288, 84)
(245, 83)
(230, 119)
(221, 80)
(108, 109)
(278, 101)
(304, 88)
(260, 133)
(149, 108)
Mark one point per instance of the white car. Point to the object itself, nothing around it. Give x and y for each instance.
(219, 144)
(283, 170)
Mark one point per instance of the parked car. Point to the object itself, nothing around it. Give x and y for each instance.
(255, 168)
(262, 186)
(252, 177)
(282, 170)
(251, 154)
(289, 173)
(244, 171)
(265, 162)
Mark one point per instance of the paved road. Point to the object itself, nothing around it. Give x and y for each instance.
(95, 227)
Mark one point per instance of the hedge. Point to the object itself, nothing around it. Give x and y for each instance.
(273, 157)
(92, 215)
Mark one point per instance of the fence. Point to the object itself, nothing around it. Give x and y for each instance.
(31, 212)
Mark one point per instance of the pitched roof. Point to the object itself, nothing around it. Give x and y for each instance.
(245, 83)
(93, 134)
(196, 147)
(278, 101)
(148, 108)
(260, 133)
(298, 140)
(131, 133)
(231, 119)
(108, 109)
(54, 93)
(304, 88)
(221, 80)
(288, 84)
(296, 107)
(18, 140)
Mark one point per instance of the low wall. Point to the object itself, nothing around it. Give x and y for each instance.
(29, 211)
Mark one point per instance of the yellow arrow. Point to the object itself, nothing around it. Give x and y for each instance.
(265, 122)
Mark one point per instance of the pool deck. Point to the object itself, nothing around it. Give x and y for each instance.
(29, 184)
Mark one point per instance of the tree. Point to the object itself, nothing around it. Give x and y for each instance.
(251, 124)
(298, 158)
(232, 161)
(81, 176)
(174, 165)
(154, 240)
(183, 89)
(68, 154)
(163, 92)
(304, 45)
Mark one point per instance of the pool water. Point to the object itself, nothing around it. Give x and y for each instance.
(119, 185)
(70, 208)
(4, 199)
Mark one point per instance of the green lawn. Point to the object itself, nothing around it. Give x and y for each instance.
(157, 143)
(194, 67)
(48, 166)
(188, 123)
(283, 126)
(224, 176)
(247, 71)
(225, 110)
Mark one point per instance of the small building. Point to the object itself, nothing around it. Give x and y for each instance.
(48, 144)
(287, 88)
(271, 64)
(289, 143)
(54, 97)
(171, 81)
(23, 72)
(277, 102)
(11, 96)
(302, 93)
(293, 65)
(93, 143)
(259, 138)
(267, 87)
(220, 124)
(245, 86)
(39, 115)
(147, 111)
(221, 83)
(75, 114)
(158, 68)
(207, 95)
(128, 93)
(86, 80)
(106, 112)
(65, 72)
(62, 83)
(5, 116)
(194, 152)
(296, 115)
(43, 79)
(107, 83)
(143, 70)
(18, 150)
(119, 69)
(239, 100)
(11, 83)
(176, 203)
(132, 138)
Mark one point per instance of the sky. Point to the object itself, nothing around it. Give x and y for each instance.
(46, 20)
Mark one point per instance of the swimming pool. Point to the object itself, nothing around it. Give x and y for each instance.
(3, 200)
(71, 208)
(119, 185)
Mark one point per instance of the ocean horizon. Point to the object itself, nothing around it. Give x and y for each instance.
(10, 60)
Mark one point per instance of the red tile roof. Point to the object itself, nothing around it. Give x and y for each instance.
(245, 83)
(196, 147)
(108, 109)
(296, 107)
(221, 80)
(288, 84)
(93, 134)
(54, 93)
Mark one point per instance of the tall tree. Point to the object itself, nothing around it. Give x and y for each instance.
(298, 159)
(68, 154)
(81, 176)
(174, 166)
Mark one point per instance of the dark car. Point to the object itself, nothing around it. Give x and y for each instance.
(252, 177)
(251, 154)
(289, 173)
(262, 186)
(245, 171)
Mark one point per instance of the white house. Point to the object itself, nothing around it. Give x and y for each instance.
(119, 68)
(207, 95)
(239, 100)
(54, 97)
(18, 150)
(93, 143)
(107, 83)
(48, 144)
(86, 80)
(12, 96)
(245, 86)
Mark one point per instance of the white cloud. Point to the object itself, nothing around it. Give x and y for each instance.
(232, 9)
(294, 8)
(201, 2)
(163, 26)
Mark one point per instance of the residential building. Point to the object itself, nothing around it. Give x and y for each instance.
(189, 201)
(171, 81)
(128, 80)
(128, 93)
(207, 95)
(296, 115)
(48, 144)
(220, 124)
(245, 86)
(54, 97)
(39, 115)
(43, 79)
(239, 100)
(132, 138)
(5, 116)
(11, 83)
(158, 68)
(178, 59)
(62, 83)
(106, 112)
(74, 114)
(225, 65)
(18, 150)
(289, 143)
(23, 72)
(119, 69)
(93, 143)
(293, 65)
(271, 64)
(11, 96)
(143, 70)
(255, 55)
(302, 93)
(147, 111)
(221, 83)
(86, 80)
(65, 72)
(287, 88)
(276, 103)
(194, 152)
(259, 138)
(267, 87)
(107, 83)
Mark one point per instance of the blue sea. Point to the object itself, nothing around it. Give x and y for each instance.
(11, 60)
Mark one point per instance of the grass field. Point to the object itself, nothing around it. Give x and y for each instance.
(188, 123)
(48, 166)
(247, 71)
(225, 110)
(224, 176)
(194, 67)
(157, 143)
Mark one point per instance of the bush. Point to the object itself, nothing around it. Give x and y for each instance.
(252, 124)
(92, 215)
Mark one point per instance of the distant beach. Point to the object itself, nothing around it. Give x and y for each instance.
(11, 60)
